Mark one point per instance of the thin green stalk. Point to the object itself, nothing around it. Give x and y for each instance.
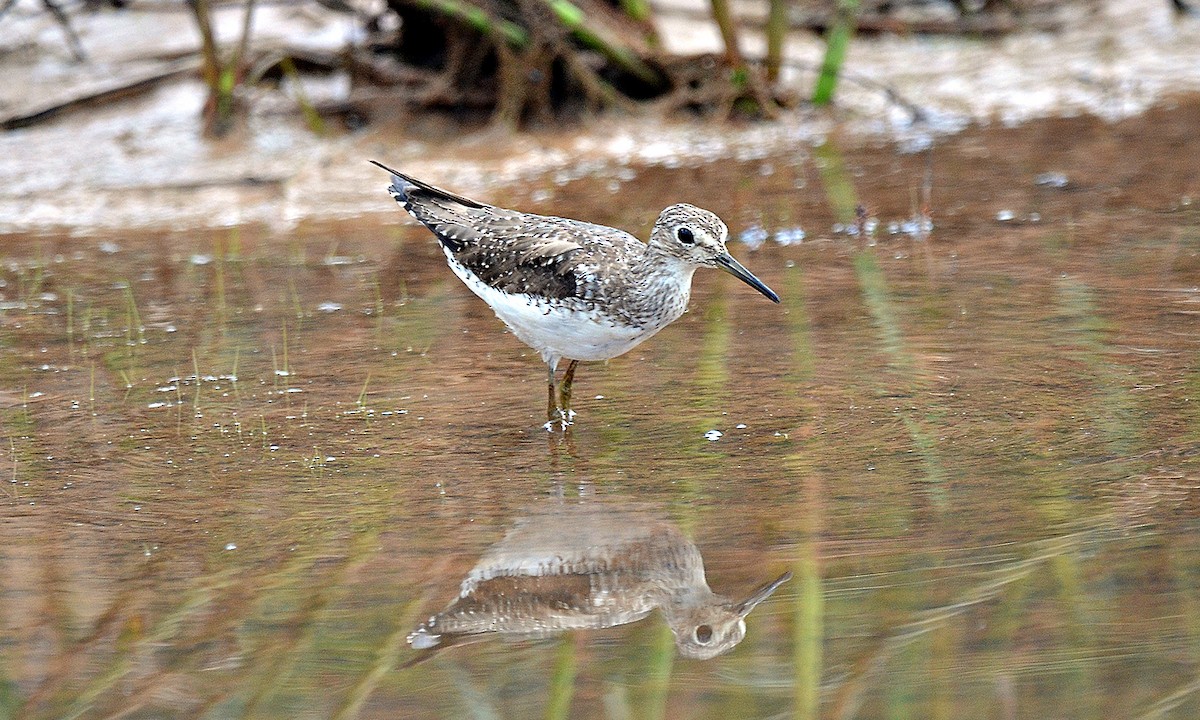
(277, 658)
(575, 20)
(657, 677)
(386, 658)
(808, 607)
(362, 395)
(808, 631)
(243, 47)
(1116, 413)
(233, 374)
(12, 452)
(220, 77)
(477, 18)
(637, 9)
(233, 244)
(837, 42)
(133, 317)
(196, 375)
(287, 369)
(571, 17)
(219, 279)
(562, 679)
(164, 630)
(804, 361)
(712, 369)
(777, 27)
(71, 320)
(178, 399)
(723, 17)
(85, 327)
(210, 67)
(297, 307)
(843, 199)
(879, 302)
(839, 188)
(311, 117)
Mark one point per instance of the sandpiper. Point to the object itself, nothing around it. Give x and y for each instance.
(569, 289)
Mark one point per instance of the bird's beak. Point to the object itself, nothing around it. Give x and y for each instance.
(726, 262)
(744, 607)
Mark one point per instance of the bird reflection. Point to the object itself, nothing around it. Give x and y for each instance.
(590, 566)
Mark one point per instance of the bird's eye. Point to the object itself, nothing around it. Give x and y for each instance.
(685, 235)
(704, 633)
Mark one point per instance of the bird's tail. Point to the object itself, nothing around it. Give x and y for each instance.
(402, 188)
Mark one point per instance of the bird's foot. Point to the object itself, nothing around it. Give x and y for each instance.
(560, 420)
(559, 415)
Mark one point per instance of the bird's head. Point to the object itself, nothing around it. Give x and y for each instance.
(697, 237)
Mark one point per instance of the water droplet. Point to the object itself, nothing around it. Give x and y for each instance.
(1051, 179)
(753, 237)
(790, 236)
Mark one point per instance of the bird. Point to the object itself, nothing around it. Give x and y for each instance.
(572, 567)
(570, 289)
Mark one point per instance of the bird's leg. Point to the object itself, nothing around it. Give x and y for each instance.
(552, 412)
(564, 391)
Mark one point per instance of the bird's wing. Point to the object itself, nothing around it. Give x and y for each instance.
(516, 252)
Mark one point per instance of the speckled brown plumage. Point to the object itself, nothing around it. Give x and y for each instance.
(517, 252)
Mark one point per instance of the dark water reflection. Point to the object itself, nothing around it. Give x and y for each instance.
(590, 566)
(239, 470)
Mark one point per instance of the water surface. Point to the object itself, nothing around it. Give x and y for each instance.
(240, 468)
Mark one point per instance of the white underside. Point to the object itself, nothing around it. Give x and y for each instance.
(555, 331)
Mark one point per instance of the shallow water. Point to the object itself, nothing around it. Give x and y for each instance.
(240, 468)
